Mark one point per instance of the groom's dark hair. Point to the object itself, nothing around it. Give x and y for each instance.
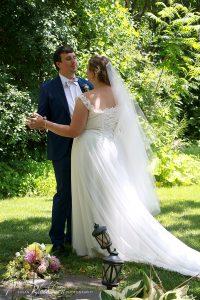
(59, 51)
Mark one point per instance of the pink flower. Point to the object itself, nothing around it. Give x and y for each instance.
(54, 264)
(45, 262)
(30, 256)
(42, 269)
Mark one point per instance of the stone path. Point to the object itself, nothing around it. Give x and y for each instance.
(71, 287)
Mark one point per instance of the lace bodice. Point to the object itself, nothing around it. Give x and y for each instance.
(104, 120)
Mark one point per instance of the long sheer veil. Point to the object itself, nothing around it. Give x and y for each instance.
(133, 143)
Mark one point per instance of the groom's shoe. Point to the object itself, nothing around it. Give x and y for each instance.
(68, 247)
(68, 239)
(58, 249)
(68, 242)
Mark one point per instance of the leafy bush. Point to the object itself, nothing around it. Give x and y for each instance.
(176, 49)
(29, 37)
(16, 141)
(26, 177)
(18, 178)
(175, 168)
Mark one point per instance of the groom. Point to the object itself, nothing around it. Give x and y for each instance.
(56, 103)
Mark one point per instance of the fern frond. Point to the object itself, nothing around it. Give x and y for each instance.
(156, 19)
(167, 12)
(188, 60)
(181, 8)
(161, 4)
(186, 20)
(194, 72)
(191, 42)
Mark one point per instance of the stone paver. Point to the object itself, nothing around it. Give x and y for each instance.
(77, 281)
(72, 287)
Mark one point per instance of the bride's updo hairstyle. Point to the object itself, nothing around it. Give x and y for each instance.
(97, 64)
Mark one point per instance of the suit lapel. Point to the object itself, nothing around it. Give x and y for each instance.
(61, 94)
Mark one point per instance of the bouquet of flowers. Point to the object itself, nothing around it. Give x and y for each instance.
(33, 262)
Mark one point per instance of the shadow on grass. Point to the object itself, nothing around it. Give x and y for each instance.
(15, 234)
(180, 207)
(184, 221)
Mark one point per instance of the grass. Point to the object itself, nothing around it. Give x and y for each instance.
(27, 219)
(192, 149)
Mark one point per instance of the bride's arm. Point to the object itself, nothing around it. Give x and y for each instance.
(76, 127)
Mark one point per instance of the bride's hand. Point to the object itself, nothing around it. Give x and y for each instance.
(36, 121)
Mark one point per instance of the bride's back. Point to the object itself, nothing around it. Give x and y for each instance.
(101, 98)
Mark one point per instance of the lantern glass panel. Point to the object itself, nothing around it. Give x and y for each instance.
(99, 239)
(113, 274)
(118, 269)
(110, 273)
(105, 269)
(103, 240)
(106, 239)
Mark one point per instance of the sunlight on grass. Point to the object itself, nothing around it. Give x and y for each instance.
(22, 221)
(181, 213)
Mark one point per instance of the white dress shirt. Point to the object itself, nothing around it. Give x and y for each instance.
(72, 90)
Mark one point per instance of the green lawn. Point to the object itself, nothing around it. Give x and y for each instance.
(27, 219)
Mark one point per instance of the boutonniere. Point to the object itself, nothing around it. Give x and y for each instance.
(86, 87)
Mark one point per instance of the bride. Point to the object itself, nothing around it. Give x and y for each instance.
(111, 184)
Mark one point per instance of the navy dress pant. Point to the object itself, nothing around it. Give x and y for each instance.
(60, 231)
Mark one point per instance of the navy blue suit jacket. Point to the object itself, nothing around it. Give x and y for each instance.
(53, 104)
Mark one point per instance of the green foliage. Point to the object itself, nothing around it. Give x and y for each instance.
(15, 140)
(173, 168)
(30, 32)
(158, 57)
(148, 290)
(29, 177)
(192, 149)
(157, 91)
(19, 178)
(177, 49)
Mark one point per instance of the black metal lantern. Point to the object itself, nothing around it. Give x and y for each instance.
(112, 266)
(101, 235)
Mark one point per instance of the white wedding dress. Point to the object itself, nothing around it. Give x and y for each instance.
(103, 193)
